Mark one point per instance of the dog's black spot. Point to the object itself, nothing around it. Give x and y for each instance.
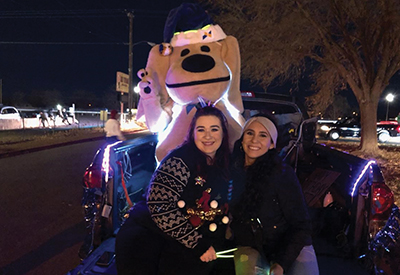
(205, 49)
(185, 52)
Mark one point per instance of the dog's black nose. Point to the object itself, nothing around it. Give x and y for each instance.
(198, 63)
(147, 90)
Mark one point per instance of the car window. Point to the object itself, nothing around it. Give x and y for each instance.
(8, 111)
(254, 107)
(283, 113)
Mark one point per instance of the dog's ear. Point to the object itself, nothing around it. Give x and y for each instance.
(231, 56)
(157, 67)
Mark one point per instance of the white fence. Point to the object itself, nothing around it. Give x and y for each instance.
(30, 118)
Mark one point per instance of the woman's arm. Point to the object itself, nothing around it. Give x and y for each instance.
(166, 187)
(295, 212)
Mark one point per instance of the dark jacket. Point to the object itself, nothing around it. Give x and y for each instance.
(283, 226)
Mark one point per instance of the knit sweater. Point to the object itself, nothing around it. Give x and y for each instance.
(177, 180)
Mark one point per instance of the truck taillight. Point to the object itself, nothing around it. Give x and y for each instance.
(381, 201)
(92, 177)
(398, 129)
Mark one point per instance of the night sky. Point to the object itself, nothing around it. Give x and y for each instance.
(71, 45)
(74, 45)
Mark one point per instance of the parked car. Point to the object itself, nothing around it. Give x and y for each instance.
(9, 112)
(350, 127)
(360, 203)
(10, 118)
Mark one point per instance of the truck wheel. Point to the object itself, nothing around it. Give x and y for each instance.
(334, 135)
(383, 136)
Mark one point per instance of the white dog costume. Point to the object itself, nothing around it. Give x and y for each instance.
(198, 63)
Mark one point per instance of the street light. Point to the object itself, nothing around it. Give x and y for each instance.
(389, 98)
(136, 89)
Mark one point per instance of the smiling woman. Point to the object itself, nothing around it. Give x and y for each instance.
(271, 224)
(208, 135)
(259, 136)
(186, 201)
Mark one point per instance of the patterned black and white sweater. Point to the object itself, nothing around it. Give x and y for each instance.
(174, 188)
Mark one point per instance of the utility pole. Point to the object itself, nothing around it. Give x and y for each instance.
(1, 91)
(131, 95)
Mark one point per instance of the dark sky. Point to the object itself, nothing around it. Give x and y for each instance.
(33, 36)
(34, 54)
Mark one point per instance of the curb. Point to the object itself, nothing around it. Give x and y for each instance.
(41, 148)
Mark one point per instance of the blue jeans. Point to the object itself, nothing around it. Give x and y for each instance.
(248, 261)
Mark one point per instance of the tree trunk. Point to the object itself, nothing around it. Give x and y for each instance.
(369, 141)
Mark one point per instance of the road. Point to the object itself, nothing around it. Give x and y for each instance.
(393, 141)
(41, 220)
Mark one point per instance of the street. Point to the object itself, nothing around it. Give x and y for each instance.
(392, 141)
(42, 222)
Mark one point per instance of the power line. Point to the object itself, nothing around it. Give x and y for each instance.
(80, 15)
(77, 13)
(62, 43)
(60, 13)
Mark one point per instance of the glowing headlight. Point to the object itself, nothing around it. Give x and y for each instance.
(325, 128)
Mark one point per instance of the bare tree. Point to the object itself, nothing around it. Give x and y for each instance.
(18, 98)
(351, 44)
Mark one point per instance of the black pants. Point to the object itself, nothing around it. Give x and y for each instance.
(137, 249)
(142, 248)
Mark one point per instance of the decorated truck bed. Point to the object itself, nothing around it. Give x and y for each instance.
(347, 196)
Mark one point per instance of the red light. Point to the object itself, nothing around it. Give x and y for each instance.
(398, 129)
(92, 177)
(382, 200)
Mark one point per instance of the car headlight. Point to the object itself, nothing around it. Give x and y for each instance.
(325, 128)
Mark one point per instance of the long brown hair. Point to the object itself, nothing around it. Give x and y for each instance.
(257, 177)
(221, 159)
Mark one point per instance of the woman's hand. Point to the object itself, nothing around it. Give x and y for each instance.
(209, 255)
(276, 269)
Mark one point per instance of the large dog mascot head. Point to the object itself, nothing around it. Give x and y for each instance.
(197, 62)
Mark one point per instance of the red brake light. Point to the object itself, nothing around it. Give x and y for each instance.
(382, 200)
(92, 177)
(398, 129)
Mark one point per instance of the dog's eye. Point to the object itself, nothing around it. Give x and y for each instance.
(185, 52)
(205, 49)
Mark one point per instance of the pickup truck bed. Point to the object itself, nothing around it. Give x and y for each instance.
(342, 230)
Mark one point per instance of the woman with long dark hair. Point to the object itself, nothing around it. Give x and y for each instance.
(178, 229)
(270, 224)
